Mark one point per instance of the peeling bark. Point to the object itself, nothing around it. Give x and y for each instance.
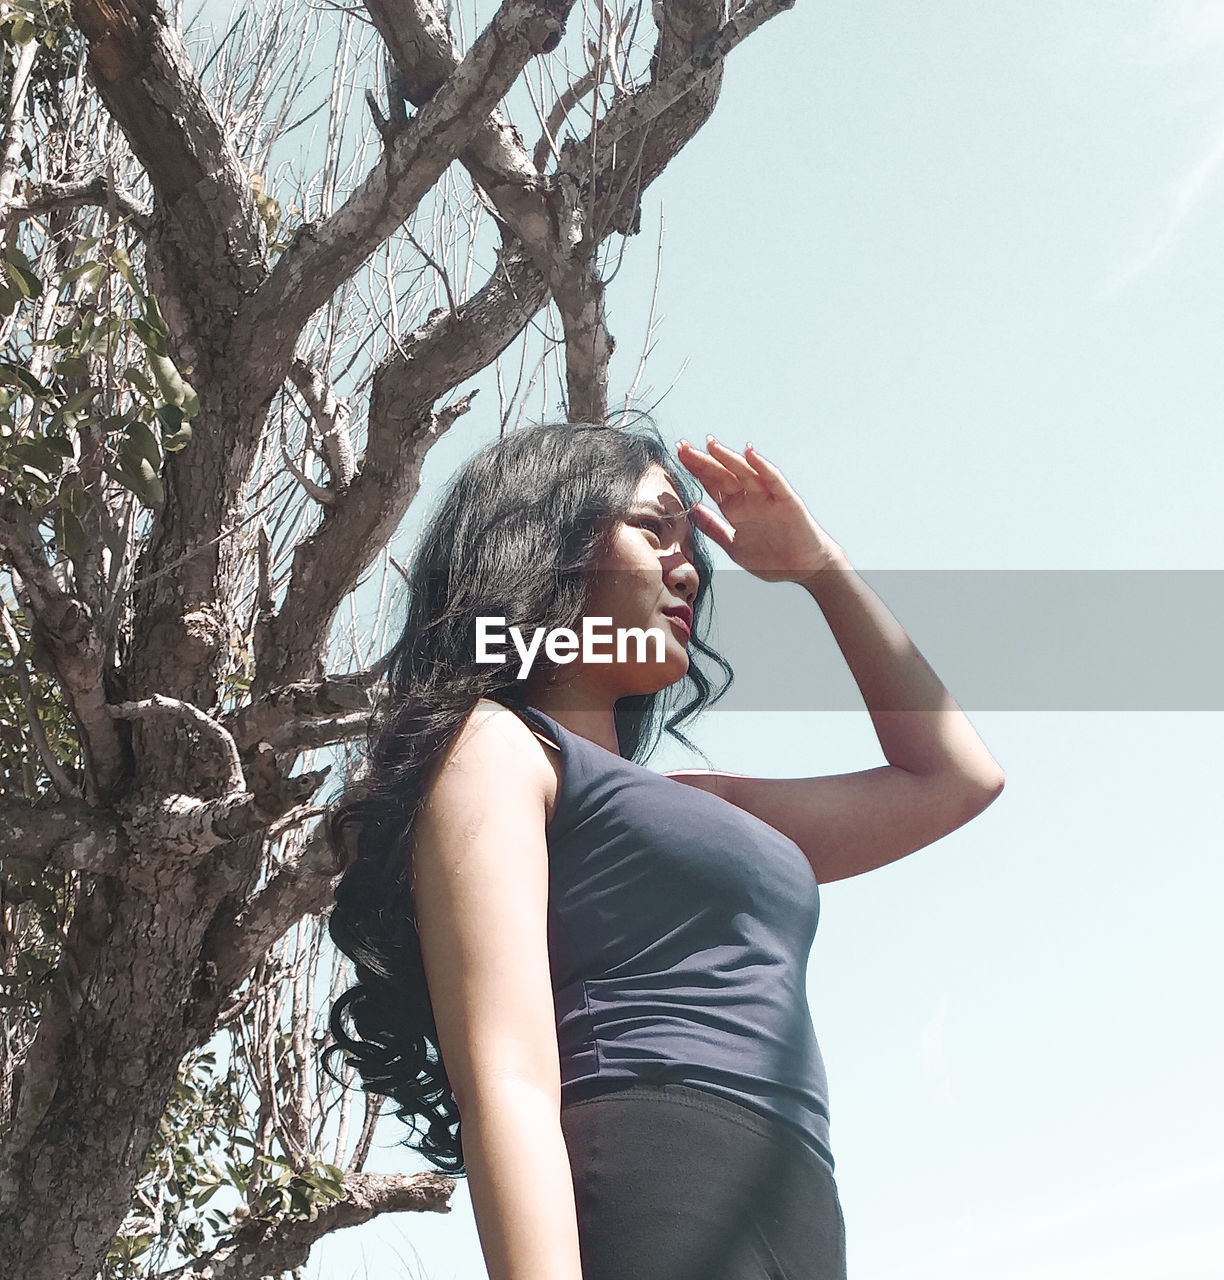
(69, 836)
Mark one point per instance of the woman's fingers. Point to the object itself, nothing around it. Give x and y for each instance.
(712, 526)
(717, 479)
(735, 463)
(772, 478)
(724, 476)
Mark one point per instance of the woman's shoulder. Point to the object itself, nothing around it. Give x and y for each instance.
(489, 720)
(501, 729)
(491, 740)
(487, 710)
(490, 737)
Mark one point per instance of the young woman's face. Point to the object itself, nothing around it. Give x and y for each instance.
(647, 569)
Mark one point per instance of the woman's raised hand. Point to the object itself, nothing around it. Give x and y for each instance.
(766, 529)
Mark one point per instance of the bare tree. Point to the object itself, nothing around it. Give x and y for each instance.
(246, 276)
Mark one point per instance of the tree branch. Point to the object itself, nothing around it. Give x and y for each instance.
(307, 735)
(331, 419)
(259, 1248)
(447, 349)
(365, 1140)
(314, 700)
(156, 704)
(65, 787)
(546, 217)
(66, 632)
(208, 235)
(14, 118)
(174, 829)
(323, 495)
(632, 114)
(289, 645)
(69, 836)
(564, 104)
(46, 196)
(88, 932)
(301, 886)
(322, 257)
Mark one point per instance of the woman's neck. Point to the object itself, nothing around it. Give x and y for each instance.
(584, 712)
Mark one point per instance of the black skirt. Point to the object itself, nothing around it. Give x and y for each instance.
(672, 1182)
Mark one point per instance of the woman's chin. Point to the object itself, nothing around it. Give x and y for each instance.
(661, 675)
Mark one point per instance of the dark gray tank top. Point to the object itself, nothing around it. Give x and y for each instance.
(679, 927)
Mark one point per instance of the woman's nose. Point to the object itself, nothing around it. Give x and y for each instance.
(682, 578)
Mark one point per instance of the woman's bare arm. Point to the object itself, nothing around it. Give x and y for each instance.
(480, 877)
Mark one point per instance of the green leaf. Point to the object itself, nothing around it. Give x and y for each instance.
(73, 497)
(71, 367)
(333, 1190)
(95, 334)
(143, 482)
(13, 254)
(117, 421)
(81, 401)
(20, 271)
(40, 454)
(150, 336)
(143, 439)
(175, 432)
(173, 441)
(69, 534)
(61, 445)
(137, 379)
(23, 379)
(22, 282)
(152, 314)
(136, 1245)
(75, 273)
(299, 1202)
(148, 486)
(172, 385)
(123, 264)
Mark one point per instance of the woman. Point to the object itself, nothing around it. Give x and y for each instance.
(599, 969)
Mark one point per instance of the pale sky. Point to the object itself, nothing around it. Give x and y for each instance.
(957, 270)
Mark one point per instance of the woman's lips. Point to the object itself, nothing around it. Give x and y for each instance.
(679, 623)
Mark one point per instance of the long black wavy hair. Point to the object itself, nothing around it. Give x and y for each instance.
(516, 535)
